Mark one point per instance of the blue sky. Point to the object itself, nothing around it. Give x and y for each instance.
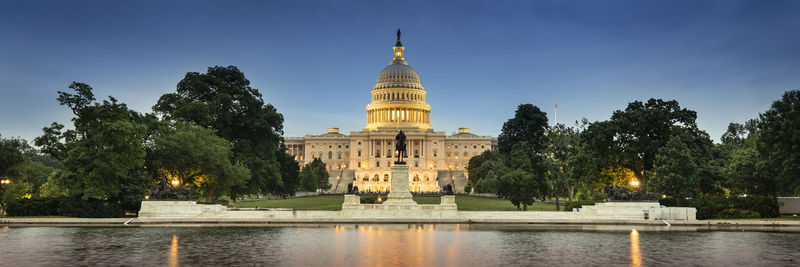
(316, 61)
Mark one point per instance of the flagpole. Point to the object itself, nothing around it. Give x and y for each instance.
(556, 115)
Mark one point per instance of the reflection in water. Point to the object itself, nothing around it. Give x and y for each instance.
(173, 251)
(636, 254)
(390, 245)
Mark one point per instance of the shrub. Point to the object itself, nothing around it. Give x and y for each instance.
(737, 213)
(65, 206)
(579, 204)
(764, 205)
(668, 202)
(713, 207)
(370, 199)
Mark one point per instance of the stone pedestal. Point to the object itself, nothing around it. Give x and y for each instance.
(399, 195)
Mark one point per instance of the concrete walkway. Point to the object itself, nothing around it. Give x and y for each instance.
(677, 224)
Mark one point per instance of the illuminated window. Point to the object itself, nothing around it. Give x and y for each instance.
(359, 164)
(385, 177)
(339, 155)
(416, 177)
(376, 178)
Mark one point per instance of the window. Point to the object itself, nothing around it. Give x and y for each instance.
(377, 164)
(359, 143)
(340, 146)
(359, 153)
(359, 164)
(330, 146)
(465, 154)
(376, 178)
(481, 146)
(365, 179)
(330, 155)
(416, 177)
(386, 177)
(448, 155)
(416, 163)
(388, 153)
(434, 153)
(339, 155)
(416, 153)
(427, 178)
(377, 153)
(474, 147)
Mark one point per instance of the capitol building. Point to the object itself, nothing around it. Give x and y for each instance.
(364, 158)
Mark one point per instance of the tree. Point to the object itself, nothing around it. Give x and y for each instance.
(779, 143)
(104, 155)
(527, 128)
(479, 166)
(314, 176)
(290, 171)
(196, 156)
(222, 99)
(632, 138)
(10, 156)
(676, 169)
(487, 184)
(561, 149)
(522, 142)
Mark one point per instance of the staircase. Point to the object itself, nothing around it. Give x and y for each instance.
(339, 186)
(447, 177)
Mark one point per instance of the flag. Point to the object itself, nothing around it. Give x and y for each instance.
(556, 106)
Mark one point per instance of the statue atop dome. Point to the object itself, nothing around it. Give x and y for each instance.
(398, 39)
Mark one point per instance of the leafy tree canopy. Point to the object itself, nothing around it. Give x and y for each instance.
(222, 99)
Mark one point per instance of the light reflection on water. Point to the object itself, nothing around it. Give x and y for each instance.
(389, 245)
(173, 251)
(636, 254)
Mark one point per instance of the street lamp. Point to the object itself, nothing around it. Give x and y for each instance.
(175, 182)
(5, 181)
(635, 183)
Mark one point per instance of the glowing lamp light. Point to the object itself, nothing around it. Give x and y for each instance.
(5, 181)
(635, 183)
(175, 182)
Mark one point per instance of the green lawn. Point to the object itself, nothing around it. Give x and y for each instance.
(334, 202)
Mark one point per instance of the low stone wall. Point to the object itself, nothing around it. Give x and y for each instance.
(445, 211)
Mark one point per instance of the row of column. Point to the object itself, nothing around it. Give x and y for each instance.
(398, 115)
(411, 146)
(398, 96)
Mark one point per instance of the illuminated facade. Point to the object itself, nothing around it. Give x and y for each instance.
(364, 158)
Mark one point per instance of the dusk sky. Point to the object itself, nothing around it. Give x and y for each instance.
(317, 61)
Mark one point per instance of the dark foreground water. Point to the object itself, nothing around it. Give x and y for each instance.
(392, 245)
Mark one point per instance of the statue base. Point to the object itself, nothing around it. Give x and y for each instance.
(399, 194)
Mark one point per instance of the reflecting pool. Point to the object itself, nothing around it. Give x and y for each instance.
(392, 245)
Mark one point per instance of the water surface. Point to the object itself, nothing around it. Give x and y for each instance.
(391, 245)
